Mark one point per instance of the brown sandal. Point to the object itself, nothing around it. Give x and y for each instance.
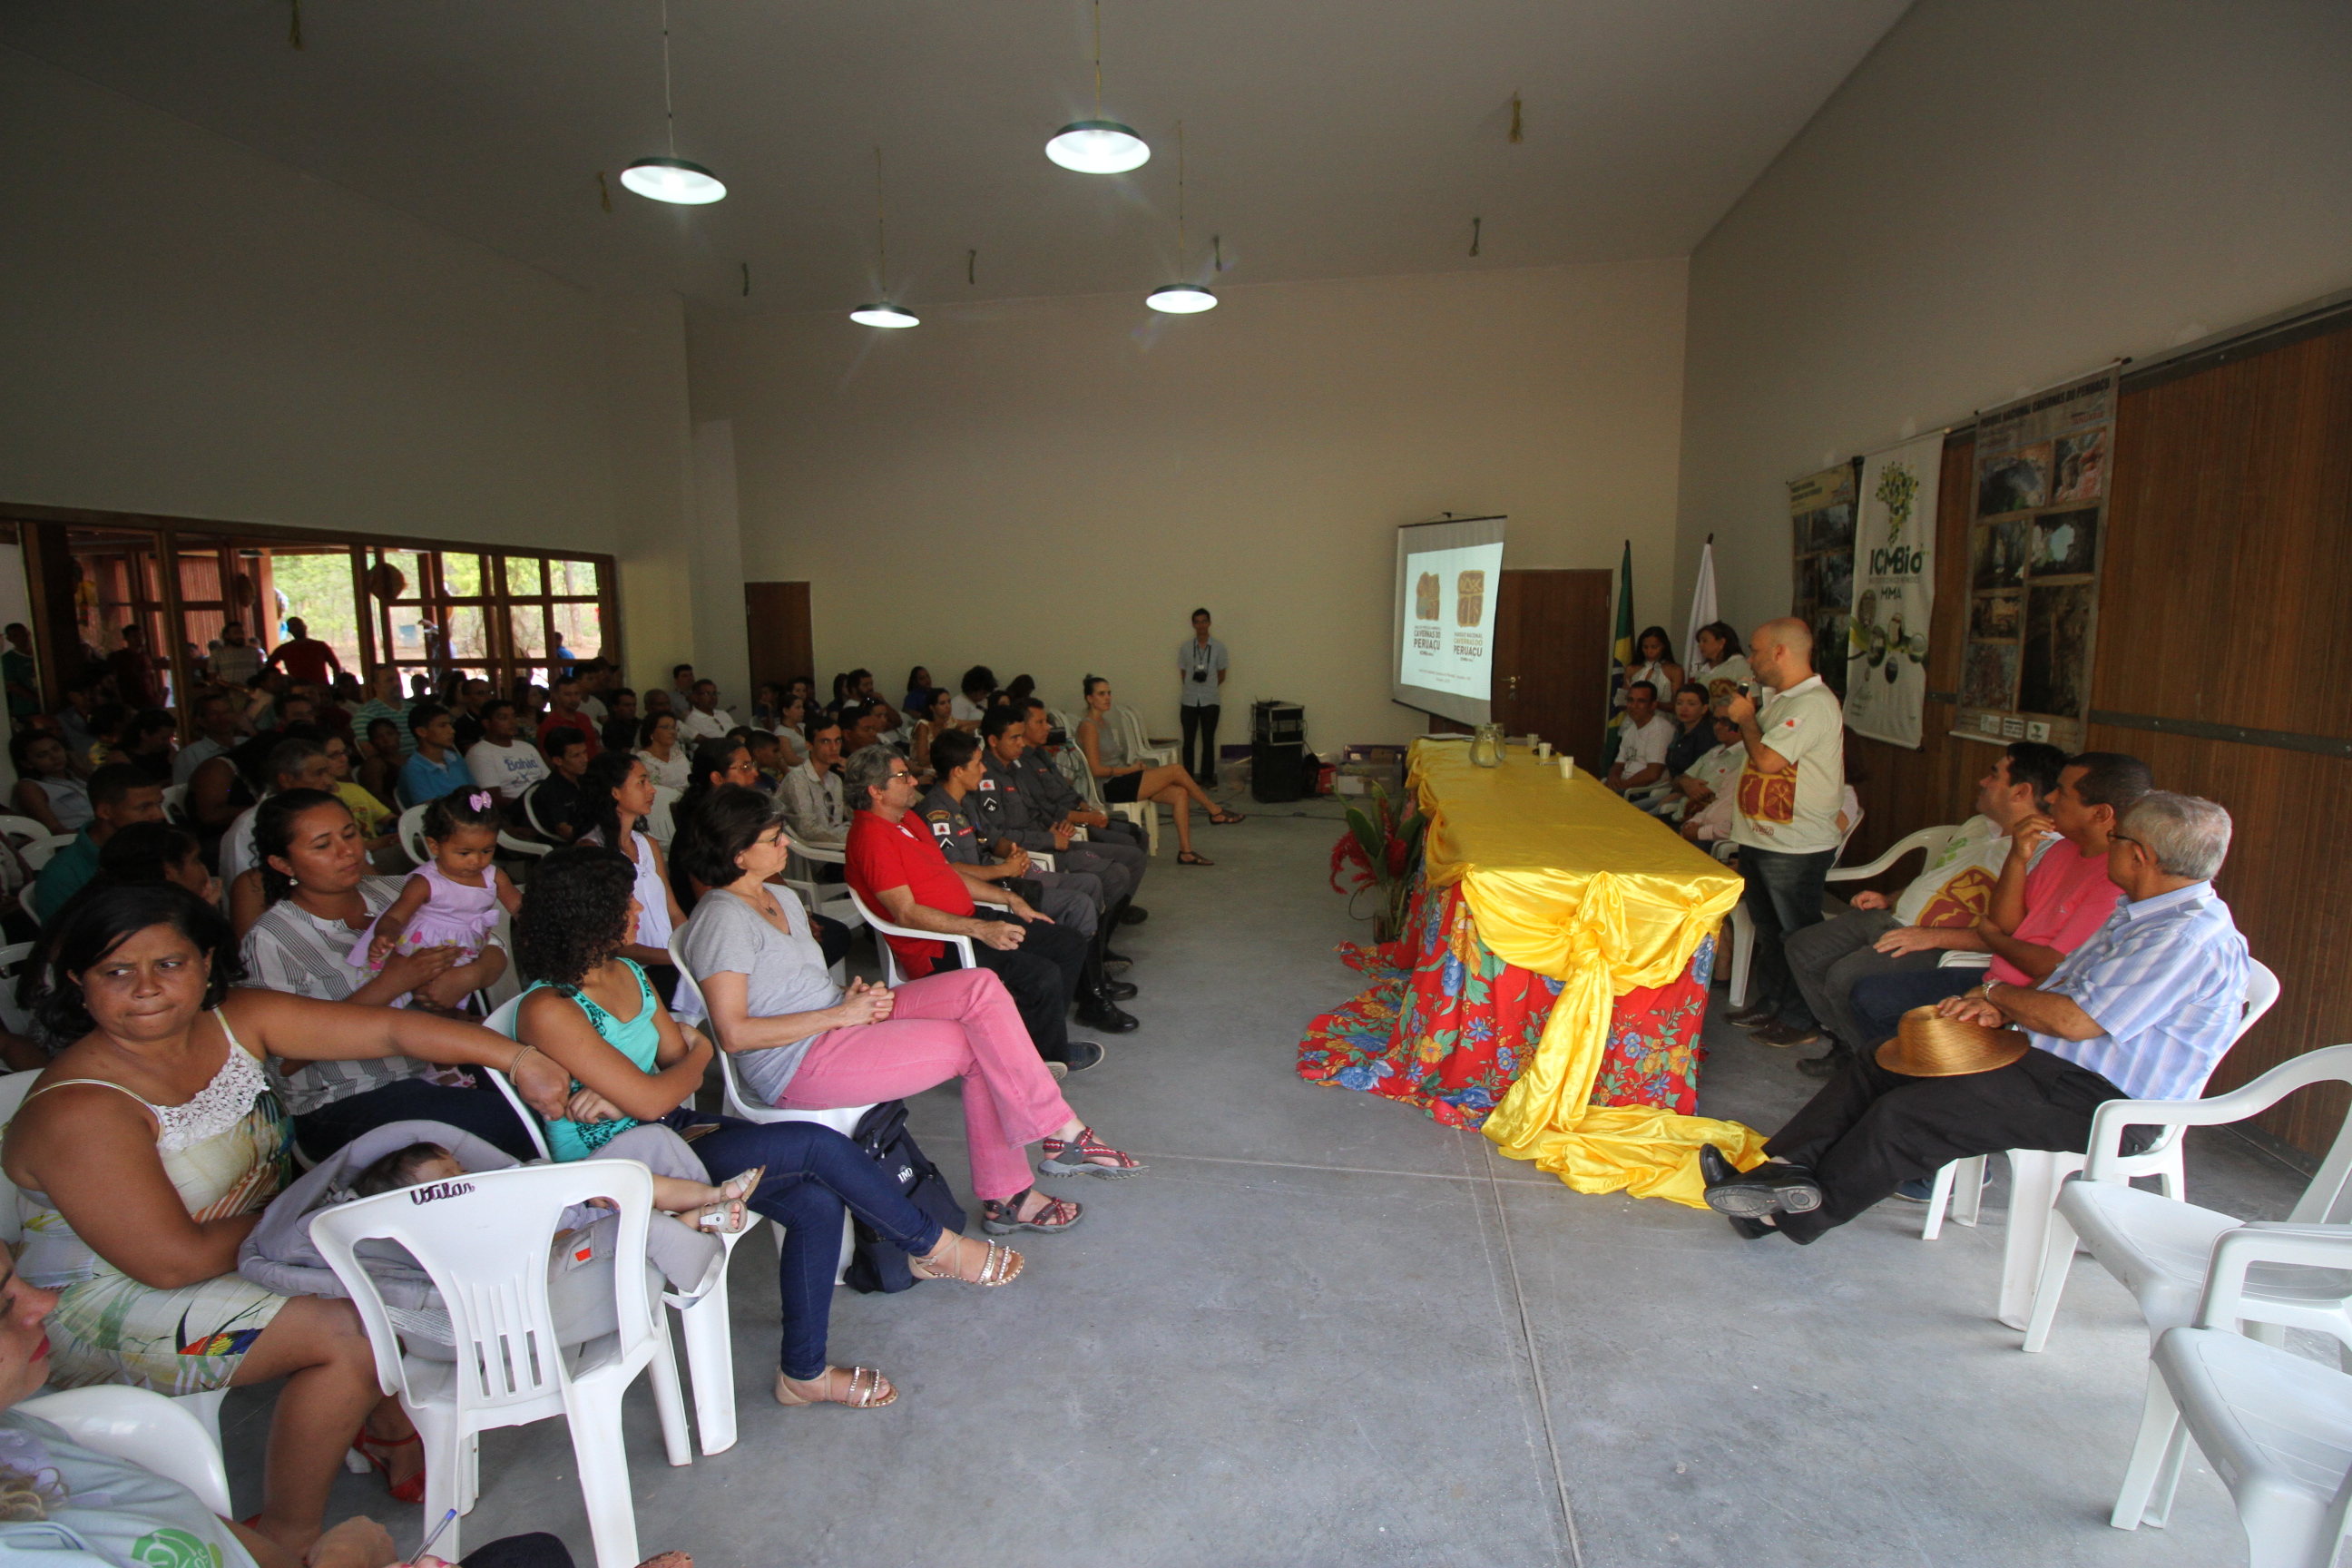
(1003, 1217)
(868, 1390)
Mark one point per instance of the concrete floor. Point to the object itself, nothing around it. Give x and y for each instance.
(1325, 1330)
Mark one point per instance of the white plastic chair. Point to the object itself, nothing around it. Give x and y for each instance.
(892, 975)
(2276, 1427)
(24, 829)
(829, 898)
(1742, 925)
(2160, 1246)
(2034, 1175)
(13, 958)
(1138, 744)
(409, 833)
(484, 1241)
(703, 1315)
(843, 1119)
(157, 1433)
(175, 803)
(659, 827)
(42, 850)
(1144, 813)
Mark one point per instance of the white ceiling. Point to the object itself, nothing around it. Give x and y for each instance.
(1326, 138)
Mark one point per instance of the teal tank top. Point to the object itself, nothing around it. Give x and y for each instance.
(637, 1038)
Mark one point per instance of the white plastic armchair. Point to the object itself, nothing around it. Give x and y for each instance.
(659, 827)
(484, 1242)
(24, 829)
(409, 833)
(832, 899)
(2276, 1427)
(2035, 1226)
(175, 803)
(41, 850)
(1144, 813)
(1138, 744)
(155, 1432)
(892, 975)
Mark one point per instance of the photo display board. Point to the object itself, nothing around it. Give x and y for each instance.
(2037, 531)
(1821, 521)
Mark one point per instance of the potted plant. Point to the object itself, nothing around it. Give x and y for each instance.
(1382, 848)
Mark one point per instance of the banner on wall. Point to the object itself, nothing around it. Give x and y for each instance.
(1820, 529)
(2037, 533)
(1894, 592)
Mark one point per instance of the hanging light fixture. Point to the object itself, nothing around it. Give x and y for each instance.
(882, 313)
(1181, 298)
(1097, 146)
(672, 179)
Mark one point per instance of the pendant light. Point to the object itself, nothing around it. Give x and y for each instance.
(1097, 146)
(1181, 298)
(672, 179)
(882, 313)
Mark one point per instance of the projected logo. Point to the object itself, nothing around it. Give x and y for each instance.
(1469, 598)
(1426, 594)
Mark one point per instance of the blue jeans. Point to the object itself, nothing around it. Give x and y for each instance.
(1881, 1000)
(1784, 894)
(812, 1175)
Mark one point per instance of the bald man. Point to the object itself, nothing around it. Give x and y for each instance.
(1784, 818)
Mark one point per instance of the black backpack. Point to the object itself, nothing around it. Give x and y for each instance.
(875, 1264)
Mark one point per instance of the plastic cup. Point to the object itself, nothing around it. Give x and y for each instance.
(1543, 750)
(1568, 767)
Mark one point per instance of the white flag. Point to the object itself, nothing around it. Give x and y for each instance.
(1703, 610)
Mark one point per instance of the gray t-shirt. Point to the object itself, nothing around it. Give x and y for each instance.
(782, 975)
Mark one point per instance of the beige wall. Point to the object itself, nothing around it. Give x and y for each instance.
(1051, 486)
(194, 329)
(2005, 193)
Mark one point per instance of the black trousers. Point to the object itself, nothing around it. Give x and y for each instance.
(1869, 1131)
(539, 1551)
(832, 936)
(1042, 973)
(1201, 721)
(481, 1110)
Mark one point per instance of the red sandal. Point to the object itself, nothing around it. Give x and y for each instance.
(1083, 1156)
(1002, 1218)
(378, 1452)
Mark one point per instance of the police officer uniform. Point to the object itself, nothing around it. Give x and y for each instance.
(1008, 803)
(1119, 839)
(1072, 899)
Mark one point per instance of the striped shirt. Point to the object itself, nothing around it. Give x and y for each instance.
(2166, 978)
(289, 949)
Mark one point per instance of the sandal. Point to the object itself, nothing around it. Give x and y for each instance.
(1187, 857)
(739, 1186)
(726, 1217)
(1001, 1266)
(868, 1390)
(378, 1452)
(1088, 1155)
(1221, 817)
(1002, 1218)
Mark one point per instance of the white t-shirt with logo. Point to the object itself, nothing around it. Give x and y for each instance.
(1955, 885)
(1795, 811)
(1644, 747)
(508, 769)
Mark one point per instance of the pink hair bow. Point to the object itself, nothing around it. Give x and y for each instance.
(479, 799)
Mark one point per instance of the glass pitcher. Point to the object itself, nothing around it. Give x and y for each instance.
(1486, 745)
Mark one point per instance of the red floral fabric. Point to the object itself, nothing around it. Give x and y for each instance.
(1446, 1025)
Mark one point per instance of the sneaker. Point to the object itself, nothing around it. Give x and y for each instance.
(1828, 1065)
(1084, 1053)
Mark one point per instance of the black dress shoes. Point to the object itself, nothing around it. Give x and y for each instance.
(1115, 960)
(1770, 1188)
(1828, 1065)
(1751, 1017)
(1118, 990)
(1100, 1012)
(1131, 916)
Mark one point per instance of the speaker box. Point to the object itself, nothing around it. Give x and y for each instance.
(1276, 771)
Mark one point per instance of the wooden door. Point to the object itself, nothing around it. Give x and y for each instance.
(1551, 657)
(777, 631)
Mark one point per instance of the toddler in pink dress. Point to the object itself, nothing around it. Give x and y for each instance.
(454, 898)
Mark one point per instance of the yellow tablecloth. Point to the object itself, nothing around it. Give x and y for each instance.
(1569, 881)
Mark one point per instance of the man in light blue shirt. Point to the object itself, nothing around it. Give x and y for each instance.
(1201, 665)
(2144, 1010)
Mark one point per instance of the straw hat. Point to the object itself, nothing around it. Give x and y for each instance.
(1928, 1045)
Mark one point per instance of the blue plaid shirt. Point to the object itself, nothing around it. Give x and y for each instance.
(2166, 978)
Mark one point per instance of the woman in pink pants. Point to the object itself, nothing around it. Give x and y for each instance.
(803, 1042)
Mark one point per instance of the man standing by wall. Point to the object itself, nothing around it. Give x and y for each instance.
(1201, 669)
(1785, 819)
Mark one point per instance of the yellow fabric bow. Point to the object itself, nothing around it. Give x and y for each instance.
(1568, 880)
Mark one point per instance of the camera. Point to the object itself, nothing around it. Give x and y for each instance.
(1200, 675)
